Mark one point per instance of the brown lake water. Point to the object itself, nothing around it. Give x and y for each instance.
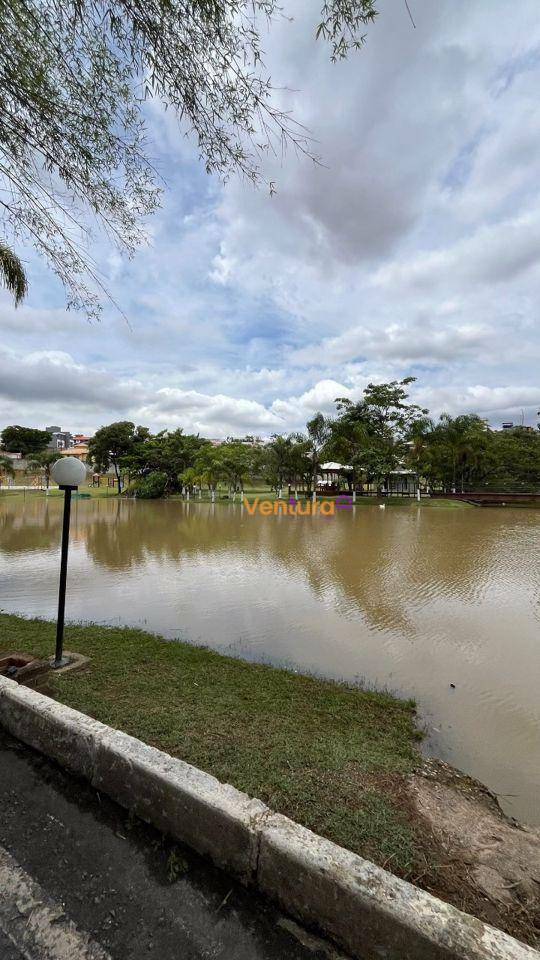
(411, 598)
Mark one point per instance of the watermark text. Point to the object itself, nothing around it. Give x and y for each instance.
(298, 508)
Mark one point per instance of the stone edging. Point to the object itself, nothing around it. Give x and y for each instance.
(363, 908)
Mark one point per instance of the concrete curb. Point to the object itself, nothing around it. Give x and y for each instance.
(364, 909)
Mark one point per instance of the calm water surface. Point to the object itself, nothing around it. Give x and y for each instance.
(411, 598)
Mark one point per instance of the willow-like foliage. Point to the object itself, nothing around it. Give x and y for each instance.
(12, 275)
(74, 76)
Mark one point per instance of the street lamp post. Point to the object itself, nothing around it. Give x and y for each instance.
(68, 472)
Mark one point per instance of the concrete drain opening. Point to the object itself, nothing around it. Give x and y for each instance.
(25, 668)
(22, 667)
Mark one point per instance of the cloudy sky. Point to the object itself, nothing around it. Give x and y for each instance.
(414, 250)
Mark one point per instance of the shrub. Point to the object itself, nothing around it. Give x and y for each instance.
(150, 487)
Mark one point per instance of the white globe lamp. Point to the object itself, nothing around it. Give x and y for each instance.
(68, 472)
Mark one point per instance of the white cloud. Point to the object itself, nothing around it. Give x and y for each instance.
(413, 250)
(297, 410)
(492, 255)
(51, 387)
(214, 416)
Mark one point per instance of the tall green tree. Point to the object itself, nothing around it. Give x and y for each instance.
(300, 462)
(179, 451)
(209, 467)
(277, 461)
(373, 433)
(319, 430)
(236, 464)
(512, 461)
(348, 444)
(25, 440)
(74, 76)
(169, 453)
(454, 449)
(110, 445)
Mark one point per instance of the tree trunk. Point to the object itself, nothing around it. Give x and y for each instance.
(118, 480)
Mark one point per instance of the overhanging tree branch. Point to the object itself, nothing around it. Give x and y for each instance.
(74, 76)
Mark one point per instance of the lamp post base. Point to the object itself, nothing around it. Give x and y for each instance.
(63, 662)
(70, 661)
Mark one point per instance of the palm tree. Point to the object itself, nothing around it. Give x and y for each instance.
(43, 462)
(6, 467)
(12, 274)
(463, 437)
(319, 432)
(208, 469)
(420, 452)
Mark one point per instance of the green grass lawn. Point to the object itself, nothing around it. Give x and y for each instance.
(55, 492)
(264, 493)
(331, 756)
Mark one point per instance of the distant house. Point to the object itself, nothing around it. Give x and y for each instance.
(19, 462)
(402, 482)
(247, 441)
(397, 483)
(79, 451)
(60, 440)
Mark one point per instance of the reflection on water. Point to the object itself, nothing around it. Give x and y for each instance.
(409, 598)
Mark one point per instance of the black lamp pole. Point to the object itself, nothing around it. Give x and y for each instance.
(59, 660)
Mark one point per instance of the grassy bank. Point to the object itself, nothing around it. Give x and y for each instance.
(250, 494)
(330, 756)
(333, 757)
(94, 492)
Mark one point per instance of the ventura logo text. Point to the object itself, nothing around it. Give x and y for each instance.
(297, 508)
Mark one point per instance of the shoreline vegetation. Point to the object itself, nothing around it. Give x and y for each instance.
(342, 760)
(249, 495)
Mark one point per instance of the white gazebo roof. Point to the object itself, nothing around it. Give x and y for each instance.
(335, 466)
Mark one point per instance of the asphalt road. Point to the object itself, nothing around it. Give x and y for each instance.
(7, 949)
(81, 880)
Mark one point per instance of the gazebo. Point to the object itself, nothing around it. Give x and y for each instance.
(334, 476)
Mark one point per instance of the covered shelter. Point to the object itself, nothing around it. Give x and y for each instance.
(398, 483)
(334, 477)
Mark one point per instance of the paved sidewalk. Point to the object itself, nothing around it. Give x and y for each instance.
(80, 880)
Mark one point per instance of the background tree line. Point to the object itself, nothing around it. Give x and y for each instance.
(374, 436)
